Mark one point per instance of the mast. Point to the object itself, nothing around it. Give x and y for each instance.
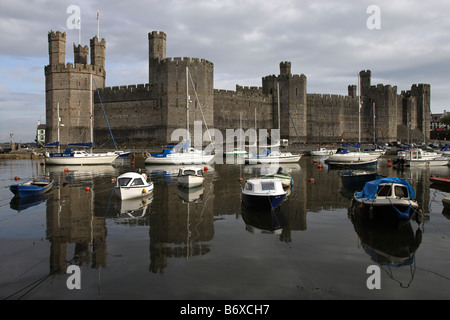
(278, 97)
(187, 105)
(90, 120)
(374, 135)
(359, 110)
(59, 120)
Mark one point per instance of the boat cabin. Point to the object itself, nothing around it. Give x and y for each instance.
(190, 171)
(132, 180)
(390, 190)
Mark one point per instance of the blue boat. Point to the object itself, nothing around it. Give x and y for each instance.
(390, 201)
(31, 188)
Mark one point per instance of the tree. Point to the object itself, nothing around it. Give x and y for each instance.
(445, 120)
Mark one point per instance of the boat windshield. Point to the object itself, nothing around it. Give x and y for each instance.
(401, 192)
(122, 182)
(137, 182)
(384, 190)
(267, 186)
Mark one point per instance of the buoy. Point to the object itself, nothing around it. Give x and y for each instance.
(144, 191)
(205, 168)
(88, 189)
(132, 163)
(241, 179)
(41, 164)
(315, 161)
(311, 180)
(389, 165)
(66, 170)
(16, 178)
(113, 179)
(47, 178)
(319, 166)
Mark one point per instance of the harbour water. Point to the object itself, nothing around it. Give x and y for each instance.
(202, 244)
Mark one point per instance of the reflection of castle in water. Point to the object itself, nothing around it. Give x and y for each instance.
(78, 218)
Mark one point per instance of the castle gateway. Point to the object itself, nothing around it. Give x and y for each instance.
(145, 115)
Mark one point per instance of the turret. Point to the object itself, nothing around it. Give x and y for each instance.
(156, 51)
(98, 51)
(56, 47)
(80, 54)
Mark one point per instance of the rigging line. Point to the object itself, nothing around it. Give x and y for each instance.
(201, 110)
(106, 118)
(292, 120)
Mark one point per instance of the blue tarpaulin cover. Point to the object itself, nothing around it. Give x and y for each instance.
(370, 188)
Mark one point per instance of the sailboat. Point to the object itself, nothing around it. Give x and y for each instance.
(181, 154)
(78, 157)
(273, 156)
(345, 158)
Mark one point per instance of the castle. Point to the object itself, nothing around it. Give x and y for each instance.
(145, 115)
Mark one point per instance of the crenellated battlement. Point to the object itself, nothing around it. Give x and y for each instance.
(186, 61)
(71, 67)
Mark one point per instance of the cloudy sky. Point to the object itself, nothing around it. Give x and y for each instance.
(329, 41)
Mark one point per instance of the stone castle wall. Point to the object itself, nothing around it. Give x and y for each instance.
(145, 115)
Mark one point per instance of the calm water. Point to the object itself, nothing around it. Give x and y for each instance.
(203, 245)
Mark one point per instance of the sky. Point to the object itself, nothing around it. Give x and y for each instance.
(329, 41)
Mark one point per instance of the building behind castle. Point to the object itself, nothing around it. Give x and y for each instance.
(145, 115)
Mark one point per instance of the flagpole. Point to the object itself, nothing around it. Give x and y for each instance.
(79, 30)
(98, 25)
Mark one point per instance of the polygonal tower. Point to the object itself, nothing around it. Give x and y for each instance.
(69, 90)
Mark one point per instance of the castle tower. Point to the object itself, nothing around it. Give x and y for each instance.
(80, 54)
(293, 102)
(69, 87)
(156, 53)
(98, 52)
(56, 47)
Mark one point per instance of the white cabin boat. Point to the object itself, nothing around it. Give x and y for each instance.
(132, 185)
(190, 177)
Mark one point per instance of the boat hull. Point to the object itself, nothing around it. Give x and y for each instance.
(31, 188)
(391, 212)
(266, 160)
(352, 163)
(426, 163)
(356, 180)
(127, 193)
(85, 160)
(177, 160)
(190, 181)
(263, 202)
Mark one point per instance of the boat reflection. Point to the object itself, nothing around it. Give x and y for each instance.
(189, 195)
(390, 248)
(133, 212)
(23, 203)
(263, 221)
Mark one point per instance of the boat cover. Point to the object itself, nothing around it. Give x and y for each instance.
(370, 188)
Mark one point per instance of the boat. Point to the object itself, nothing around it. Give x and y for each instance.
(323, 152)
(273, 157)
(131, 185)
(446, 202)
(389, 201)
(190, 177)
(286, 178)
(181, 154)
(178, 155)
(356, 179)
(343, 158)
(31, 188)
(72, 156)
(263, 193)
(441, 181)
(77, 157)
(420, 158)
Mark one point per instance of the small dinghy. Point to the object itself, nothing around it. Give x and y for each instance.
(190, 177)
(31, 188)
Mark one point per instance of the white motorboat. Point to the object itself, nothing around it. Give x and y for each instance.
(190, 177)
(132, 185)
(419, 158)
(263, 193)
(346, 158)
